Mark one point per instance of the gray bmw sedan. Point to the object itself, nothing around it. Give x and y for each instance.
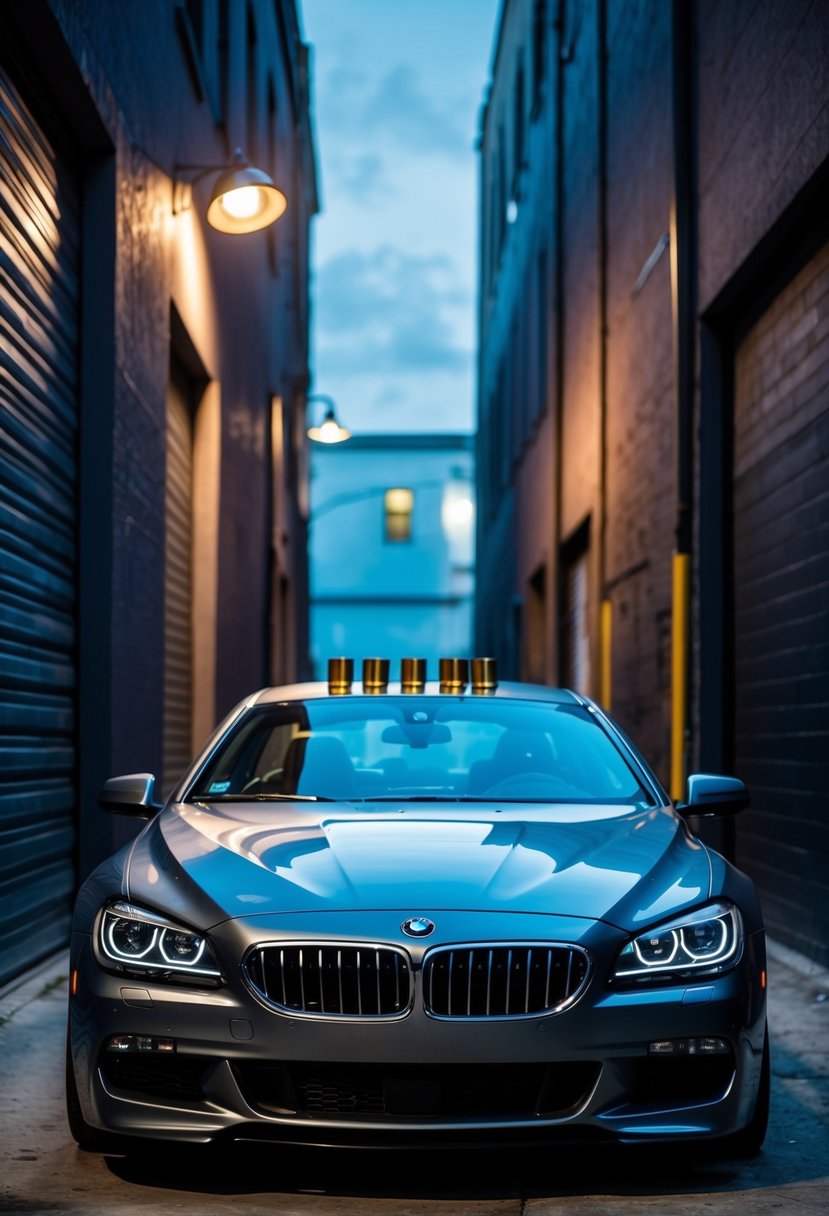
(415, 914)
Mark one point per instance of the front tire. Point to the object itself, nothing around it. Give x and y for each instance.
(88, 1139)
(749, 1140)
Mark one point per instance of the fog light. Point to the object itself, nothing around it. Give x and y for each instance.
(704, 1046)
(140, 1042)
(662, 1047)
(708, 1047)
(121, 1042)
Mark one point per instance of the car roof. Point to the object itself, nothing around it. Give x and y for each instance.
(512, 690)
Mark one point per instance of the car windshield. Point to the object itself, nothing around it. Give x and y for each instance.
(369, 748)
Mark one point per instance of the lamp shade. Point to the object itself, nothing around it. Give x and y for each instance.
(244, 199)
(330, 431)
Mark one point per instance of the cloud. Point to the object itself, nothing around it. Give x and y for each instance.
(362, 176)
(401, 108)
(396, 108)
(389, 396)
(389, 311)
(343, 81)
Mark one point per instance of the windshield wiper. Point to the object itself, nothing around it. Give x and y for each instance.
(431, 798)
(264, 798)
(465, 798)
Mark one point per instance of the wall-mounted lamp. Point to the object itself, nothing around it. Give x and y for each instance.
(243, 198)
(330, 430)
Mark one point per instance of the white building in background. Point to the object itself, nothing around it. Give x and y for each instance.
(391, 547)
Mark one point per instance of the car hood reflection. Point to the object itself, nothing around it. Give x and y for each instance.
(619, 864)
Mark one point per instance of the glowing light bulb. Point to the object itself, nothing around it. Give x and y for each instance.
(243, 203)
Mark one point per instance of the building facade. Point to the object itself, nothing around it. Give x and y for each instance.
(392, 549)
(152, 534)
(653, 395)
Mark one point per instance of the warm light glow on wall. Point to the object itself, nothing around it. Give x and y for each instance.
(191, 287)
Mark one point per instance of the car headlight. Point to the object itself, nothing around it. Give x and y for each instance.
(703, 942)
(138, 940)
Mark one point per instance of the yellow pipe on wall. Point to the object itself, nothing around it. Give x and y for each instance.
(681, 572)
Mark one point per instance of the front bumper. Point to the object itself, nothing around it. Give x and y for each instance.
(241, 1071)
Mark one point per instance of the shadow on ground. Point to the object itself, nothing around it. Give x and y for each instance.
(458, 1175)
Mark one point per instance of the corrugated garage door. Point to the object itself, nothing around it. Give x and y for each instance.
(178, 632)
(39, 253)
(575, 652)
(781, 578)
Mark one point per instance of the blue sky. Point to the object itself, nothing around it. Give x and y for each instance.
(397, 91)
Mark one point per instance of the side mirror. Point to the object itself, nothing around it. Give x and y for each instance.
(709, 794)
(133, 794)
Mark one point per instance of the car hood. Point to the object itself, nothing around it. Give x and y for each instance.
(208, 863)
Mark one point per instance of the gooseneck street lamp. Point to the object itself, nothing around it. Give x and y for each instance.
(243, 198)
(330, 429)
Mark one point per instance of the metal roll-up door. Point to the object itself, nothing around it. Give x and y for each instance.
(781, 591)
(39, 317)
(575, 653)
(178, 631)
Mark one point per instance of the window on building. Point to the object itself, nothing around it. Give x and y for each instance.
(272, 161)
(493, 224)
(398, 503)
(195, 14)
(202, 27)
(502, 190)
(539, 54)
(223, 49)
(541, 344)
(252, 90)
(518, 131)
(504, 450)
(535, 628)
(517, 387)
(189, 17)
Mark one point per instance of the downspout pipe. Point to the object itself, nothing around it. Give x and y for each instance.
(684, 306)
(560, 60)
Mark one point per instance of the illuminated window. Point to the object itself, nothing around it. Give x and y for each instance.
(398, 503)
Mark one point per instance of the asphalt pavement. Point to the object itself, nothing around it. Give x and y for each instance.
(42, 1171)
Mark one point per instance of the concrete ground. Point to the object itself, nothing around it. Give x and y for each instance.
(42, 1171)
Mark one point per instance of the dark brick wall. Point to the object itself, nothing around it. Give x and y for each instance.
(763, 122)
(781, 572)
(580, 333)
(756, 212)
(139, 108)
(641, 455)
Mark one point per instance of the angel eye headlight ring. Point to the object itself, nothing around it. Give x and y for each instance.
(138, 940)
(701, 942)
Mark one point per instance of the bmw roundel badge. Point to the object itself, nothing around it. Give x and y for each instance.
(417, 926)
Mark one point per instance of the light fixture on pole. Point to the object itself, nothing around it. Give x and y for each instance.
(329, 430)
(243, 198)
